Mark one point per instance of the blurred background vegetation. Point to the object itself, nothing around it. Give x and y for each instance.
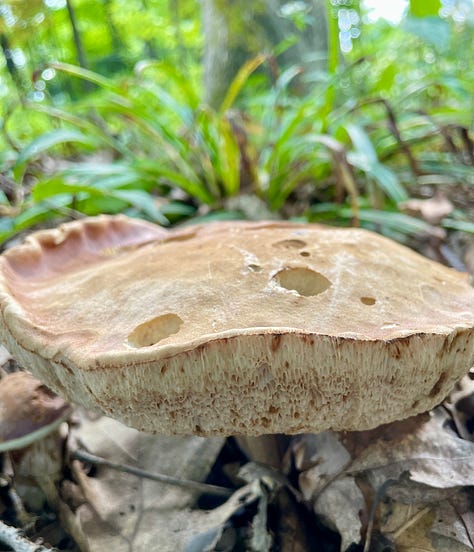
(176, 109)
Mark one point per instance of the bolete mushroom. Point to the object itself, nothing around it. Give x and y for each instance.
(29, 411)
(236, 327)
(30, 416)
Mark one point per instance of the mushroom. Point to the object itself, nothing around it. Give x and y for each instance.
(30, 416)
(236, 328)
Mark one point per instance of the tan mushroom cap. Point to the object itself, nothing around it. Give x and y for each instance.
(28, 411)
(236, 327)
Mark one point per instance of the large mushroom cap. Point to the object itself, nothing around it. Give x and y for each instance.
(236, 328)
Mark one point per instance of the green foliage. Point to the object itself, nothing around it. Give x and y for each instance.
(393, 115)
(389, 221)
(45, 142)
(425, 8)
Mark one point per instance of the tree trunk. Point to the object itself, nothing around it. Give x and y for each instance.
(237, 30)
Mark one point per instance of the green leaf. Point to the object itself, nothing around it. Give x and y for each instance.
(143, 201)
(54, 187)
(177, 209)
(229, 159)
(47, 141)
(387, 77)
(461, 225)
(33, 214)
(99, 169)
(193, 188)
(365, 158)
(180, 79)
(167, 100)
(287, 77)
(239, 81)
(392, 221)
(88, 127)
(362, 144)
(425, 8)
(85, 74)
(388, 181)
(216, 216)
(96, 205)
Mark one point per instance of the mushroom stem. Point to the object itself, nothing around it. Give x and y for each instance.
(266, 449)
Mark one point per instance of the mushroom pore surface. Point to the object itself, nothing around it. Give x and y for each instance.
(236, 327)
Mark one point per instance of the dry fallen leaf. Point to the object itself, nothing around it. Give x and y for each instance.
(433, 210)
(207, 536)
(429, 450)
(339, 506)
(125, 512)
(414, 468)
(319, 458)
(448, 531)
(4, 355)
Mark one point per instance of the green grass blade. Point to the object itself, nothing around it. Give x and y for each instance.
(391, 220)
(239, 81)
(181, 80)
(228, 159)
(194, 189)
(362, 144)
(84, 74)
(84, 124)
(51, 188)
(388, 181)
(47, 141)
(33, 214)
(142, 201)
(461, 225)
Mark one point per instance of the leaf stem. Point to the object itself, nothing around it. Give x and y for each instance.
(84, 456)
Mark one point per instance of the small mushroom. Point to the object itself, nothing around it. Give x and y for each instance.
(30, 415)
(236, 328)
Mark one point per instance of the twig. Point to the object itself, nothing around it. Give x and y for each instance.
(84, 456)
(11, 536)
(411, 521)
(378, 497)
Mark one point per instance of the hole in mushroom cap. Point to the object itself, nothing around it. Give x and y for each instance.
(290, 244)
(154, 330)
(305, 253)
(368, 300)
(303, 280)
(254, 267)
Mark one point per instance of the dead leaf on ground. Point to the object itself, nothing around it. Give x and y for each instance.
(340, 506)
(432, 453)
(433, 210)
(423, 459)
(124, 512)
